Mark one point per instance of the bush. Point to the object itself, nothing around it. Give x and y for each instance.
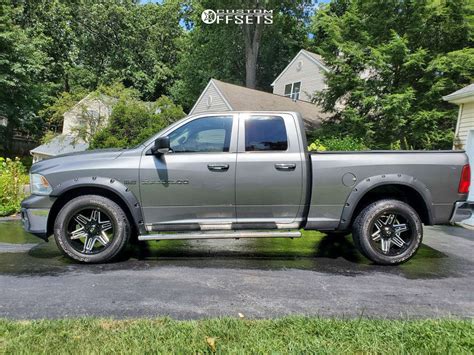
(13, 178)
(335, 144)
(132, 121)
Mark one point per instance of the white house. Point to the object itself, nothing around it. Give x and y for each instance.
(91, 113)
(293, 90)
(302, 77)
(464, 135)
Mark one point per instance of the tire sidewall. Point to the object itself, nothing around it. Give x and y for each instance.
(365, 223)
(115, 213)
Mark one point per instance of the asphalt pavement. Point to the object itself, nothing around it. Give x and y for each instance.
(314, 275)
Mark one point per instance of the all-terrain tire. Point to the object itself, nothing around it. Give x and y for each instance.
(362, 231)
(118, 219)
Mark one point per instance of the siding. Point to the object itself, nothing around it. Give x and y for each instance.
(78, 115)
(311, 76)
(212, 96)
(466, 122)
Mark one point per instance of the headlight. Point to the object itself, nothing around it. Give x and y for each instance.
(39, 185)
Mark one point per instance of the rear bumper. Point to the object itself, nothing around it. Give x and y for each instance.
(462, 210)
(34, 215)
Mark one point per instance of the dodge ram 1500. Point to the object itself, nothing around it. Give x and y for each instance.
(243, 175)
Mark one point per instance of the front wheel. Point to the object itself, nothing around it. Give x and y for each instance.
(91, 229)
(388, 232)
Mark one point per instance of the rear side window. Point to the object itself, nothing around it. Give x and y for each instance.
(263, 133)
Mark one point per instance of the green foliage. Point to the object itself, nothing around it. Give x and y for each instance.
(337, 144)
(391, 64)
(22, 66)
(132, 121)
(287, 335)
(218, 50)
(13, 178)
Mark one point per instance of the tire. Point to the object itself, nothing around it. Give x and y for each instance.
(388, 232)
(91, 229)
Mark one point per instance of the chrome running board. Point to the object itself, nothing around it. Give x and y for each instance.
(221, 235)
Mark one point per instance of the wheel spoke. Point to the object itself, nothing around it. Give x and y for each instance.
(379, 224)
(89, 244)
(398, 241)
(82, 220)
(390, 219)
(376, 235)
(400, 228)
(385, 245)
(103, 239)
(105, 226)
(78, 233)
(95, 215)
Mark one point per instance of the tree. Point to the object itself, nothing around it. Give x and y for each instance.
(22, 67)
(132, 121)
(236, 53)
(391, 64)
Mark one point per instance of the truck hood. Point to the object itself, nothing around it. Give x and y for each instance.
(76, 158)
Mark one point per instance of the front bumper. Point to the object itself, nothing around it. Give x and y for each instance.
(462, 211)
(34, 215)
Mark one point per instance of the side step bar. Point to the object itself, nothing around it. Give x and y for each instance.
(221, 235)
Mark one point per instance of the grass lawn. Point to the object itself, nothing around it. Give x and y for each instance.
(292, 334)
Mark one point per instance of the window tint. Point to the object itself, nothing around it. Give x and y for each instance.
(207, 134)
(265, 133)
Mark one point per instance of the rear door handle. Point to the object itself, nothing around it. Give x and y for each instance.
(218, 167)
(285, 167)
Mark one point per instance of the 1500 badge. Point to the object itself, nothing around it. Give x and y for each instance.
(165, 182)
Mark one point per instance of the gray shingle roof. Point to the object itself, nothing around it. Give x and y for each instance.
(61, 144)
(245, 99)
(461, 93)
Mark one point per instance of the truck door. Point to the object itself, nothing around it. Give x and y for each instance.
(269, 179)
(195, 182)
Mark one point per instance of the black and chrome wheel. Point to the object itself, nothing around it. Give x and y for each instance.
(91, 229)
(388, 232)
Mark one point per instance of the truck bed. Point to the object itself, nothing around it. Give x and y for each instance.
(340, 179)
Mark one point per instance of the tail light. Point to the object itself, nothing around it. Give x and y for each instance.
(465, 180)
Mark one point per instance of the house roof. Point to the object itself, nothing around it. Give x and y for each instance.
(315, 58)
(61, 144)
(240, 98)
(461, 95)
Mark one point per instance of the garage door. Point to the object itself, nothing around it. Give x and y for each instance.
(470, 153)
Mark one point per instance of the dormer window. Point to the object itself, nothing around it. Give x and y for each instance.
(293, 90)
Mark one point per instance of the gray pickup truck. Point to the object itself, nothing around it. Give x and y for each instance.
(243, 175)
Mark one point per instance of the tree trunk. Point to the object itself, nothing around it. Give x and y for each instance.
(252, 38)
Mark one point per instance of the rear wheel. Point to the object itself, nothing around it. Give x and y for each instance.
(388, 232)
(91, 229)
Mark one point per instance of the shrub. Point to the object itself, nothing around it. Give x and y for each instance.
(132, 121)
(334, 144)
(13, 178)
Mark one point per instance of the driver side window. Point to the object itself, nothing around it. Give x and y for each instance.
(203, 135)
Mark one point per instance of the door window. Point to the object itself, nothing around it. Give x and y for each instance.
(264, 133)
(207, 134)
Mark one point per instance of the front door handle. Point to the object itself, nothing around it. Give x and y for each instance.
(218, 167)
(285, 167)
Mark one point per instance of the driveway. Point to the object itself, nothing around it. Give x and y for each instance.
(258, 278)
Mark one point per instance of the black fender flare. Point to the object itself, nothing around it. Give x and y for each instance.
(369, 183)
(112, 185)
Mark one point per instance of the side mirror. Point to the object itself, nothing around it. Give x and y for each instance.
(162, 145)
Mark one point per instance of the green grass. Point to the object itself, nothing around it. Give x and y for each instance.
(285, 335)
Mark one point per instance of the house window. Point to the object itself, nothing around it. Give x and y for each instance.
(293, 90)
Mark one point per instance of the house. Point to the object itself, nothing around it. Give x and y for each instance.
(84, 118)
(302, 77)
(292, 91)
(464, 134)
